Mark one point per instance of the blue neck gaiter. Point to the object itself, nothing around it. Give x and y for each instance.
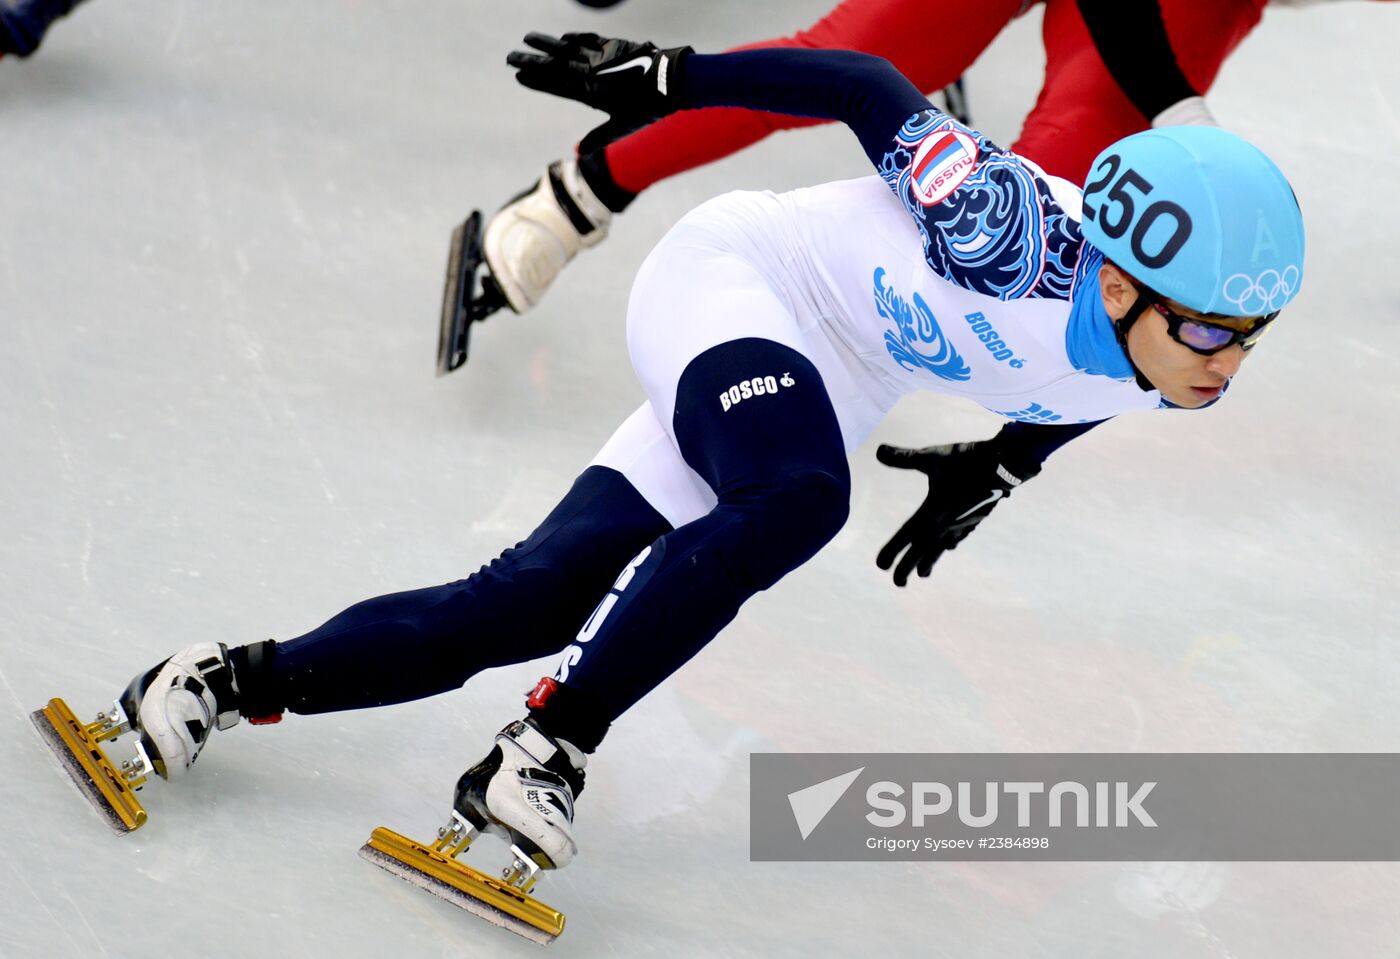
(1090, 341)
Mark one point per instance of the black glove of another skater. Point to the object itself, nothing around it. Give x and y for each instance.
(634, 83)
(965, 483)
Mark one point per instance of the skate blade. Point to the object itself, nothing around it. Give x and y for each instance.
(463, 886)
(88, 766)
(463, 261)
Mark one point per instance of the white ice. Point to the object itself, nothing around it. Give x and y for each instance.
(222, 231)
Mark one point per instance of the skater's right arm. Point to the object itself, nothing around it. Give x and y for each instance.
(946, 176)
(637, 83)
(951, 180)
(864, 92)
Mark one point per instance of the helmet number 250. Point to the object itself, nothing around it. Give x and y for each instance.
(1116, 223)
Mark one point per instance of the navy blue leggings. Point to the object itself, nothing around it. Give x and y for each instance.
(753, 419)
(526, 603)
(775, 459)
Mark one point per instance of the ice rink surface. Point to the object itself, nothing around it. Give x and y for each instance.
(222, 231)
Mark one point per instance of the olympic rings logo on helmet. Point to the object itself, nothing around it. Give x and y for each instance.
(1262, 294)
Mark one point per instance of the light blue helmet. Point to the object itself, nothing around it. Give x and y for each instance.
(1198, 215)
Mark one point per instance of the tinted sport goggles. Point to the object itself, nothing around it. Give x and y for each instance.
(1206, 335)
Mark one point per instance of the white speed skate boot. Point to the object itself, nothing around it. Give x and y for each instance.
(178, 703)
(172, 708)
(534, 236)
(524, 792)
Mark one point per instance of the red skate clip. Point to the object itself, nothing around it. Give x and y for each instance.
(544, 689)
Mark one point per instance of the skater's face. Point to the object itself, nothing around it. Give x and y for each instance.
(1182, 375)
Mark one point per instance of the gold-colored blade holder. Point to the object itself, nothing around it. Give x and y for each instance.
(505, 901)
(110, 789)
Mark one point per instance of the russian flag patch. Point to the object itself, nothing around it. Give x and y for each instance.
(942, 161)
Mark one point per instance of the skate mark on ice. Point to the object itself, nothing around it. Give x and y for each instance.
(67, 469)
(177, 27)
(597, 924)
(77, 950)
(13, 695)
(265, 389)
(1383, 103)
(1139, 723)
(87, 925)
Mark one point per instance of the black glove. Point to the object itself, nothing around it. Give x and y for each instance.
(634, 83)
(965, 483)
